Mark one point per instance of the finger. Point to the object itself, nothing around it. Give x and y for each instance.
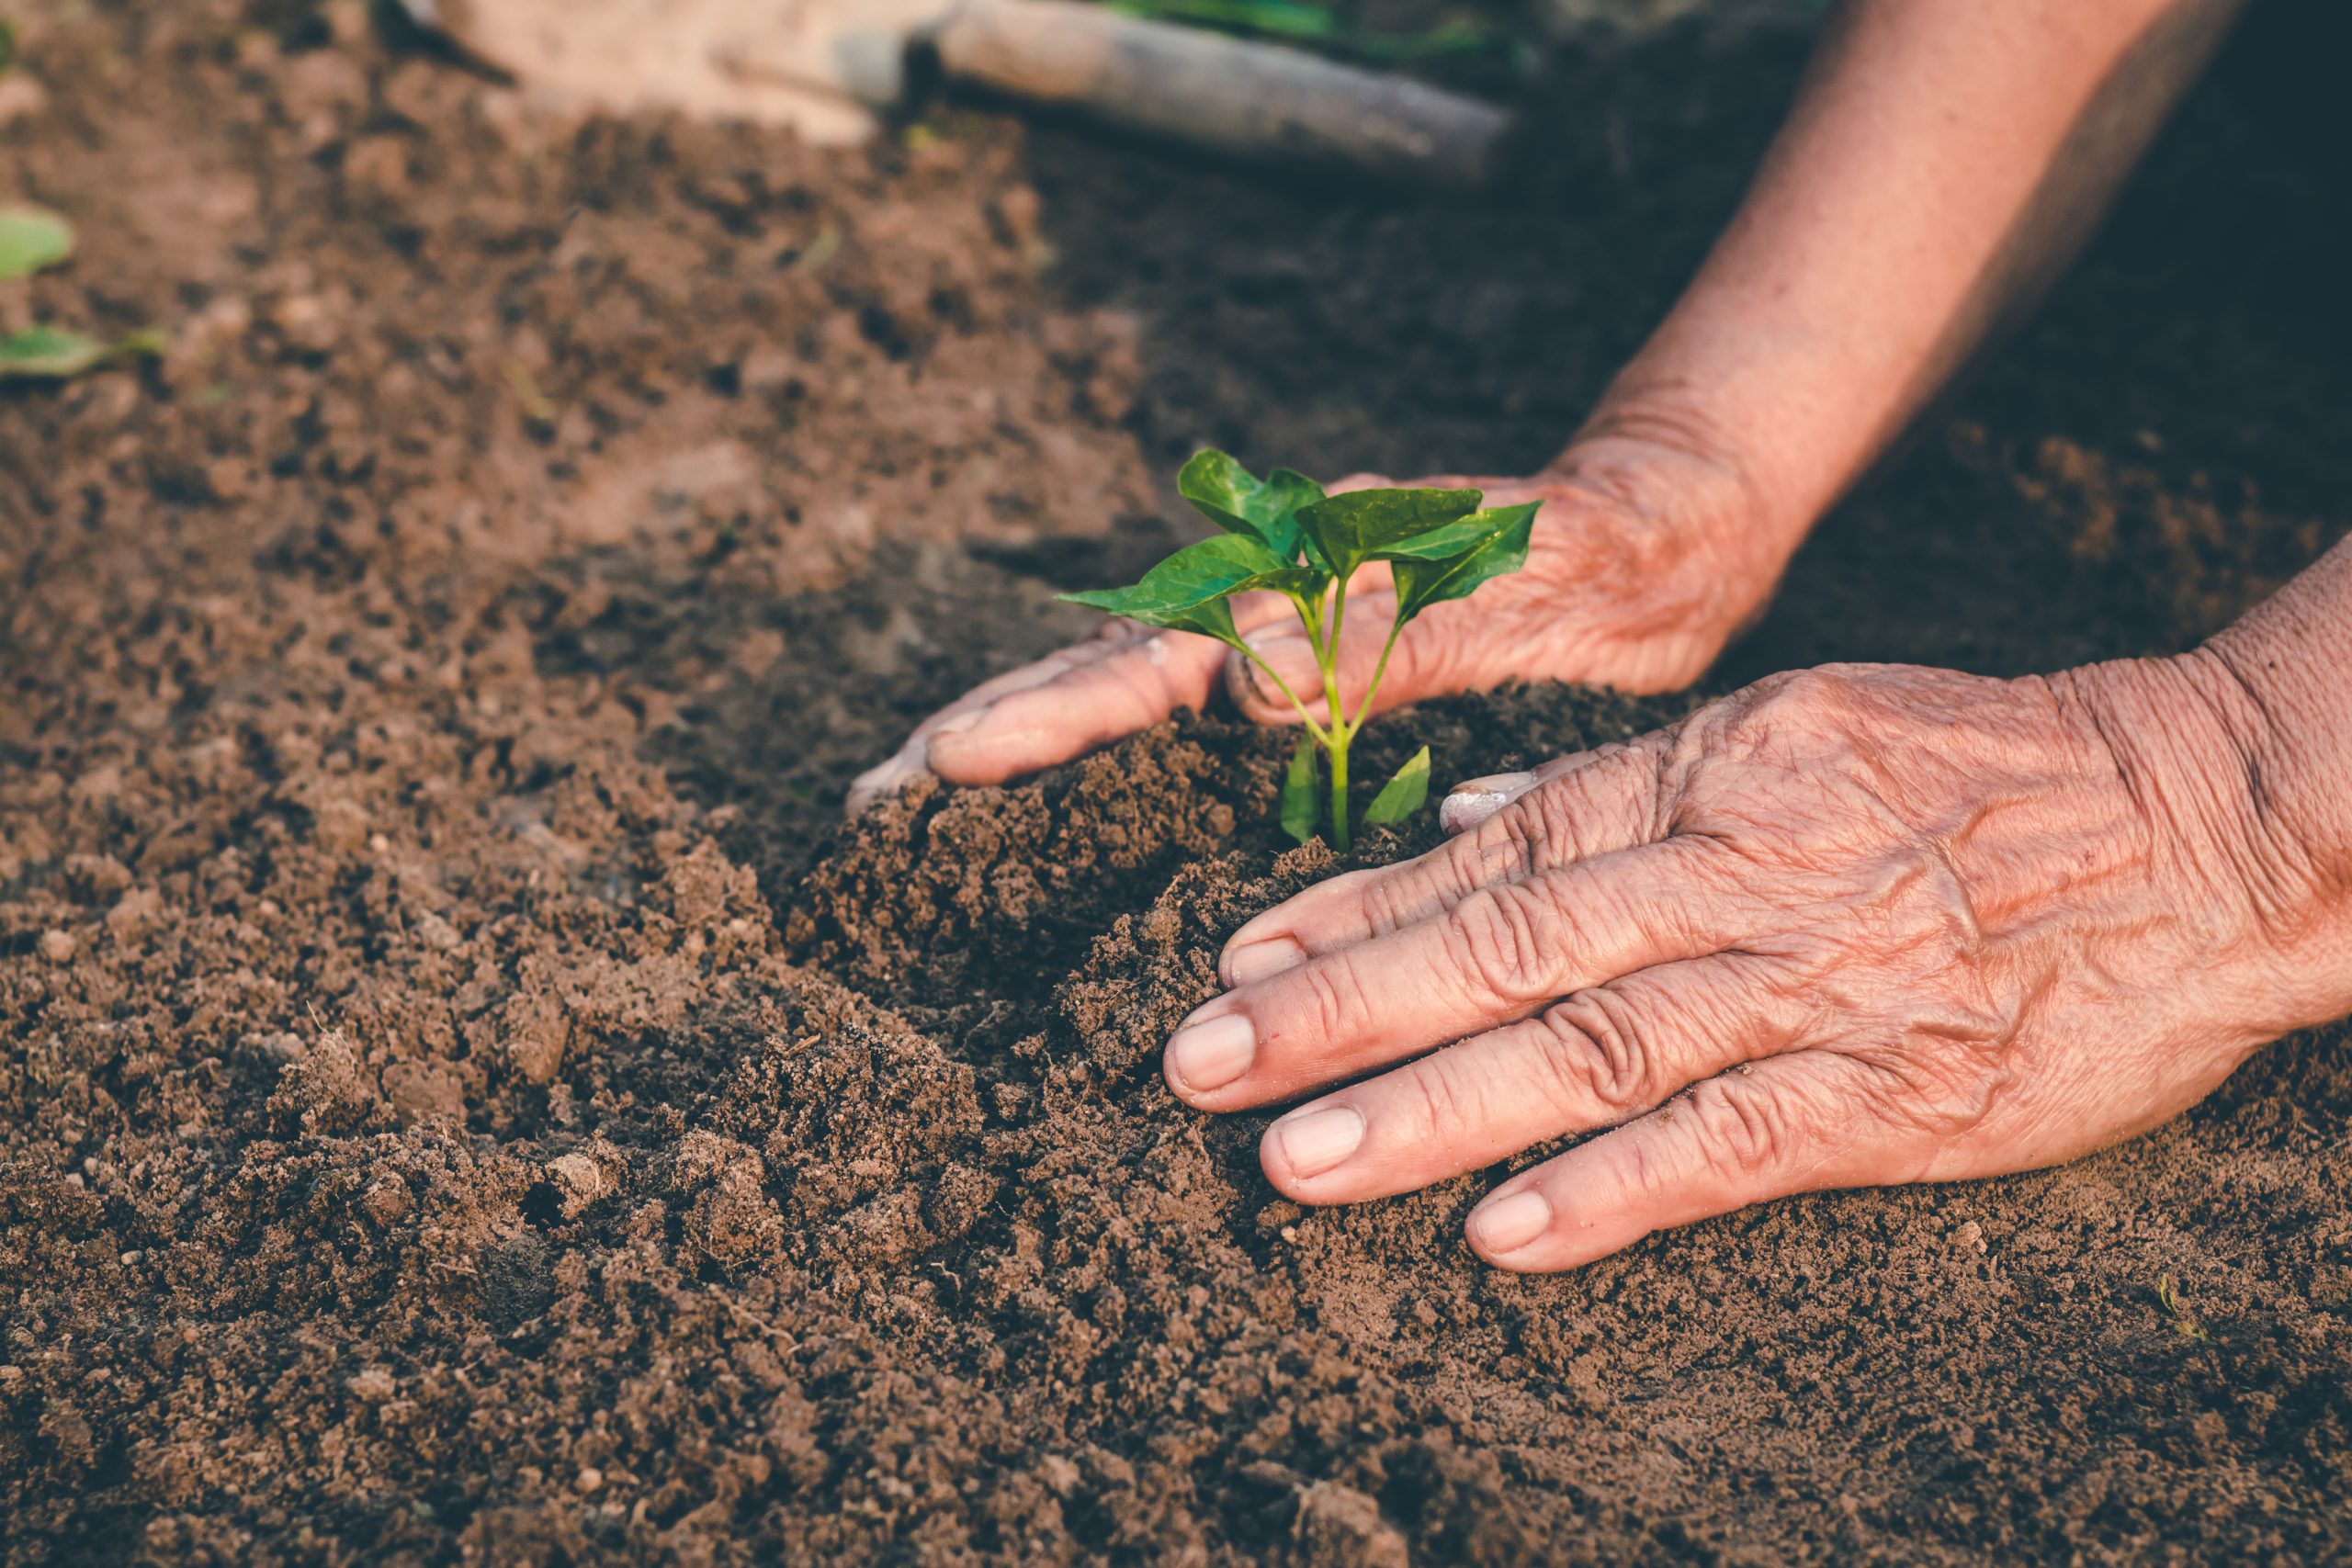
(1796, 1124)
(1577, 808)
(1101, 696)
(1497, 956)
(888, 776)
(1473, 801)
(1594, 1059)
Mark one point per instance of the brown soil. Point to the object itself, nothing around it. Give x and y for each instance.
(461, 1096)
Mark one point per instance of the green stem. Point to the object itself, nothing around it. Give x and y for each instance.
(1322, 736)
(1363, 709)
(1340, 795)
(1329, 655)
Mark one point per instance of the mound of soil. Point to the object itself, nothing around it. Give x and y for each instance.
(461, 1095)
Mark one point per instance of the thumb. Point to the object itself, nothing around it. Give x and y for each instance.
(1417, 666)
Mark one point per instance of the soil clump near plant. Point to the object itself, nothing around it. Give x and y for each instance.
(460, 1092)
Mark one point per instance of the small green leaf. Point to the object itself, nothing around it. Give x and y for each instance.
(1496, 545)
(1187, 591)
(1349, 530)
(1401, 795)
(1302, 801)
(1235, 500)
(56, 353)
(48, 352)
(30, 238)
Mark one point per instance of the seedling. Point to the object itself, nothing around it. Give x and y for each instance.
(57, 354)
(30, 238)
(1283, 535)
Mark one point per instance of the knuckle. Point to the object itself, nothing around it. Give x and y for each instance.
(1334, 994)
(1392, 903)
(1504, 938)
(1444, 1095)
(1749, 1133)
(1549, 824)
(1597, 1057)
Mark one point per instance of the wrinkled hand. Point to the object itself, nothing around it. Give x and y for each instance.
(1643, 565)
(1861, 925)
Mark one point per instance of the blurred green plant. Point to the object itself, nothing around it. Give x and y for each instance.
(57, 354)
(30, 238)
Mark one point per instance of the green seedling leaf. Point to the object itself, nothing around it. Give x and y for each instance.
(1349, 530)
(1301, 801)
(54, 353)
(1188, 590)
(1239, 503)
(1403, 795)
(30, 238)
(1496, 545)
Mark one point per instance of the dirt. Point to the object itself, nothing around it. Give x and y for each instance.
(462, 1097)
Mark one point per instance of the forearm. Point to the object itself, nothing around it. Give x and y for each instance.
(1943, 161)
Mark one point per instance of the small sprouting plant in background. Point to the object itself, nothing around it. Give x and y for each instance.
(1284, 535)
(32, 238)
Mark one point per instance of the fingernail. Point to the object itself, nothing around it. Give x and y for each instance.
(876, 783)
(1248, 965)
(945, 747)
(1506, 1225)
(1312, 1141)
(1474, 801)
(1210, 1054)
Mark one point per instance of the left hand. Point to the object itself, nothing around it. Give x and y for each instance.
(1852, 926)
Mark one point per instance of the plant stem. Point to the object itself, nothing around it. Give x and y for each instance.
(1322, 736)
(1340, 795)
(1363, 709)
(1328, 657)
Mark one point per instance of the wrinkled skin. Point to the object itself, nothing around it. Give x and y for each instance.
(1644, 565)
(1847, 927)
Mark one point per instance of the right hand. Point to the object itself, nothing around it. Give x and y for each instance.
(1647, 560)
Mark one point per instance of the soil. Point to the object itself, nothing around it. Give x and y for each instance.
(463, 1097)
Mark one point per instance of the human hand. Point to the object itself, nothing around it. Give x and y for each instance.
(1644, 563)
(1854, 926)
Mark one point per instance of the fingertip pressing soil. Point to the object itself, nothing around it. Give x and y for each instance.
(464, 1096)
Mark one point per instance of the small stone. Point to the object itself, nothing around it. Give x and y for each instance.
(424, 1092)
(376, 1384)
(589, 1479)
(1339, 1524)
(135, 913)
(581, 1180)
(436, 932)
(59, 946)
(130, 1259)
(1059, 1473)
(386, 1200)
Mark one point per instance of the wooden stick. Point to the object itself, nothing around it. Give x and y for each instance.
(1247, 100)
